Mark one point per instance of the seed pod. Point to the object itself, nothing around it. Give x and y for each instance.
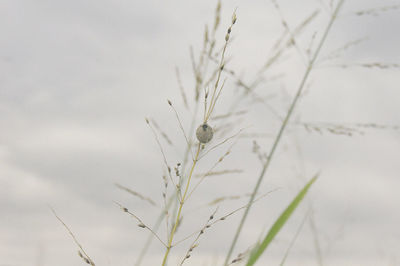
(204, 133)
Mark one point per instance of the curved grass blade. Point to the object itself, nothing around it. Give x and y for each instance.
(279, 223)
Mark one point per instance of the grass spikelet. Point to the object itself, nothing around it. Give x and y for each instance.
(181, 88)
(376, 11)
(161, 132)
(180, 125)
(195, 242)
(81, 253)
(222, 172)
(136, 194)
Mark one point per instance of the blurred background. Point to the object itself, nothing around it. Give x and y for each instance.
(78, 78)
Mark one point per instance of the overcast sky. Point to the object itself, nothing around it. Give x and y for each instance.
(78, 78)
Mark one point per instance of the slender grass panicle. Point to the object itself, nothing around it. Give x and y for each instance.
(81, 252)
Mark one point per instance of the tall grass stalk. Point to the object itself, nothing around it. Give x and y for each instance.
(199, 72)
(282, 128)
(207, 114)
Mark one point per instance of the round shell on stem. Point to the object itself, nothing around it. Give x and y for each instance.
(204, 133)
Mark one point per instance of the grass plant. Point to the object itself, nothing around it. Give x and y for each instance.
(211, 71)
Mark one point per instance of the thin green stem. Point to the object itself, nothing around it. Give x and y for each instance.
(282, 129)
(181, 203)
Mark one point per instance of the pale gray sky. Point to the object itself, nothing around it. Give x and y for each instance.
(77, 79)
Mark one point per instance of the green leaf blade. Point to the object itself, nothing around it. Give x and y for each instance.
(279, 223)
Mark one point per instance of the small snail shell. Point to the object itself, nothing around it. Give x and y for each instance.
(204, 133)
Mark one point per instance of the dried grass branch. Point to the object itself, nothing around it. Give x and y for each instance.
(82, 253)
(141, 223)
